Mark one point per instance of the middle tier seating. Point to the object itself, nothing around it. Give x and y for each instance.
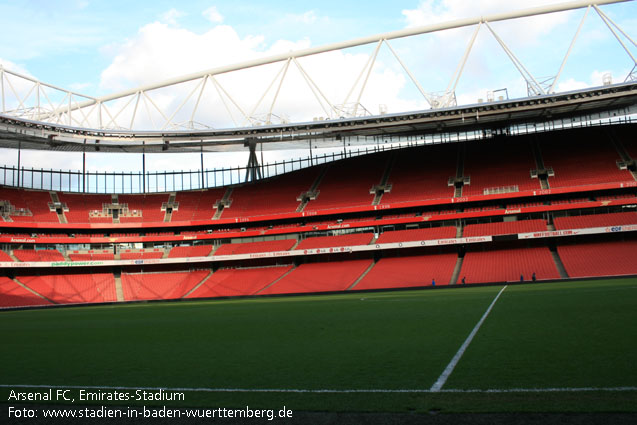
(595, 220)
(190, 251)
(352, 239)
(38, 255)
(417, 234)
(507, 265)
(254, 247)
(504, 228)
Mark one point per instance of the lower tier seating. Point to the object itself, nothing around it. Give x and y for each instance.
(320, 277)
(419, 270)
(73, 288)
(235, 282)
(599, 258)
(14, 295)
(160, 286)
(506, 265)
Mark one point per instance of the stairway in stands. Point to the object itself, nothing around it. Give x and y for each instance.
(558, 262)
(305, 197)
(626, 163)
(222, 204)
(541, 172)
(383, 187)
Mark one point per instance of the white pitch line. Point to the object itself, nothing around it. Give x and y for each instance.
(442, 379)
(329, 391)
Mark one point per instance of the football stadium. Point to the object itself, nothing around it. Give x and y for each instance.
(453, 263)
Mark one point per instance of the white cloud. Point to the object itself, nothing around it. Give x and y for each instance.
(170, 17)
(596, 79)
(213, 15)
(160, 51)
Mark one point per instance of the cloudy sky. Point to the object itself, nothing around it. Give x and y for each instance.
(97, 48)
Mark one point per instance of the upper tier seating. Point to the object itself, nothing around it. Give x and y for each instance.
(73, 288)
(422, 173)
(347, 183)
(498, 164)
(352, 239)
(236, 282)
(595, 220)
(399, 272)
(197, 205)
(504, 228)
(417, 234)
(591, 159)
(190, 251)
(273, 196)
(35, 201)
(599, 258)
(39, 255)
(149, 205)
(81, 205)
(154, 286)
(254, 247)
(320, 277)
(506, 265)
(14, 295)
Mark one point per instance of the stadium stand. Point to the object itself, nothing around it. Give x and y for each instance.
(254, 247)
(140, 255)
(320, 277)
(610, 258)
(504, 228)
(237, 282)
(197, 205)
(165, 285)
(73, 288)
(499, 166)
(149, 207)
(14, 295)
(591, 162)
(347, 183)
(506, 265)
(351, 239)
(399, 272)
(190, 251)
(91, 256)
(421, 173)
(38, 255)
(83, 208)
(35, 203)
(595, 220)
(5, 257)
(273, 196)
(417, 234)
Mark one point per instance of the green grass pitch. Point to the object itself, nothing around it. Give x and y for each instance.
(572, 335)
